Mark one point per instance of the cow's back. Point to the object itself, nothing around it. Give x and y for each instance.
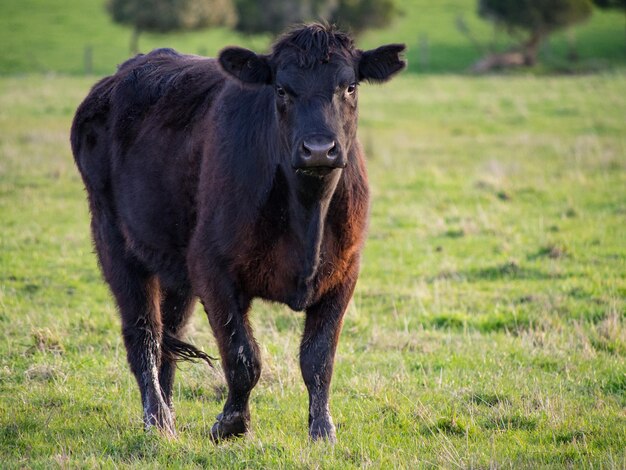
(168, 89)
(136, 140)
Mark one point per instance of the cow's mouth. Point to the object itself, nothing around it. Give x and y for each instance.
(315, 172)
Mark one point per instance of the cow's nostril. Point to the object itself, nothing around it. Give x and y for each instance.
(306, 151)
(333, 151)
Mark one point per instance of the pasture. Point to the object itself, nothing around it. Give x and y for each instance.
(488, 328)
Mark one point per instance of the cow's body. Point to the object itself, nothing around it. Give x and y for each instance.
(196, 190)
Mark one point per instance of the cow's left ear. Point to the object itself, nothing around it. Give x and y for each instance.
(379, 65)
(246, 66)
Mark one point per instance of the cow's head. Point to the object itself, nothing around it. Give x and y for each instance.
(315, 72)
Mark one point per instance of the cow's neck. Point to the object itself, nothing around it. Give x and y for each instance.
(314, 196)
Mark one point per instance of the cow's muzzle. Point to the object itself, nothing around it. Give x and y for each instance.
(318, 154)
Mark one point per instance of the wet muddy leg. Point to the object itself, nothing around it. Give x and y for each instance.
(137, 293)
(317, 352)
(177, 306)
(227, 310)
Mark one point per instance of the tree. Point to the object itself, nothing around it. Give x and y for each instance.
(534, 20)
(618, 4)
(612, 4)
(359, 15)
(273, 16)
(163, 16)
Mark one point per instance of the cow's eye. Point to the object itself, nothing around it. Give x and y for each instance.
(351, 89)
(280, 91)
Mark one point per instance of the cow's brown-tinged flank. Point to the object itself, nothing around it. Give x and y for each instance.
(226, 180)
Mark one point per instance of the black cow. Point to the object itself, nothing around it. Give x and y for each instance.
(227, 180)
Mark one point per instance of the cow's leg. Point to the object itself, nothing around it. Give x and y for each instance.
(227, 310)
(317, 353)
(137, 294)
(176, 308)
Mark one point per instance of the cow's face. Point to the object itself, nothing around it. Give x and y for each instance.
(317, 108)
(314, 73)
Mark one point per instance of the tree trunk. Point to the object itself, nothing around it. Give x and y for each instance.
(525, 55)
(572, 51)
(134, 41)
(531, 47)
(501, 60)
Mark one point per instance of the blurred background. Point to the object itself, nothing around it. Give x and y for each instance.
(446, 36)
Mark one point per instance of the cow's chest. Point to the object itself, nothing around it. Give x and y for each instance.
(288, 269)
(292, 249)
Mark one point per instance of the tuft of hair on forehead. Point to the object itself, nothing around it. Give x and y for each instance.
(312, 44)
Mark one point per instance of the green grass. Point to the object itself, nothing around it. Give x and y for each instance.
(51, 36)
(488, 328)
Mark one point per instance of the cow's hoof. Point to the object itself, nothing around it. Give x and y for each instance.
(231, 425)
(162, 420)
(323, 429)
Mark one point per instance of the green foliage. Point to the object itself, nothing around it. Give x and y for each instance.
(539, 18)
(618, 4)
(488, 328)
(164, 16)
(358, 15)
(273, 16)
(543, 16)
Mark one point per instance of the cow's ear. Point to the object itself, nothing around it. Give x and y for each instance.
(246, 66)
(379, 65)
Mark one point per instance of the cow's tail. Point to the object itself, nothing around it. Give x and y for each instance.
(175, 349)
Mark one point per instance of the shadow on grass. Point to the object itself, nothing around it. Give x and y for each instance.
(451, 426)
(511, 422)
(613, 384)
(507, 270)
(12, 436)
(135, 446)
(489, 399)
(486, 323)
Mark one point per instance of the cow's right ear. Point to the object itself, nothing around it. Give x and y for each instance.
(246, 66)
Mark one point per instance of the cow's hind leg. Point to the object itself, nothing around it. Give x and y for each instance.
(176, 308)
(137, 294)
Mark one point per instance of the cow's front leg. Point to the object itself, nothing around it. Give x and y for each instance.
(317, 353)
(227, 310)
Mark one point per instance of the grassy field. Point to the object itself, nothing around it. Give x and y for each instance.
(52, 35)
(488, 328)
